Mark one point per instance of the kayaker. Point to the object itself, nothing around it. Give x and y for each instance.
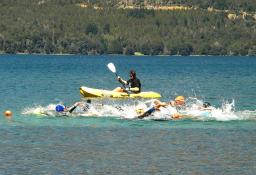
(133, 83)
(178, 102)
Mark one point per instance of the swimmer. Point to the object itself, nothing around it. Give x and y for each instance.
(177, 102)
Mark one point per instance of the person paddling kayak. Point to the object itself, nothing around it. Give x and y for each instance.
(133, 82)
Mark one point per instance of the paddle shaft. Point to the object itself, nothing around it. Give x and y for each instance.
(112, 68)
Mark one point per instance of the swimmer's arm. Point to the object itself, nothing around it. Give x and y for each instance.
(159, 104)
(147, 113)
(177, 116)
(72, 108)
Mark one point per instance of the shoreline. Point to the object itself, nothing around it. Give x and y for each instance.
(66, 54)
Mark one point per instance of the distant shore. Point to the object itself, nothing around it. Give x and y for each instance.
(128, 28)
(66, 54)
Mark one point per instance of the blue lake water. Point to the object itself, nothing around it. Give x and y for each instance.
(32, 144)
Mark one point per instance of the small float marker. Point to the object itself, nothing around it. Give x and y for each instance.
(8, 113)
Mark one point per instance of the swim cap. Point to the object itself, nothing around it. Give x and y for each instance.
(180, 100)
(206, 104)
(141, 108)
(59, 108)
(139, 111)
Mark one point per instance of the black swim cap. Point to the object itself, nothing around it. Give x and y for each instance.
(206, 104)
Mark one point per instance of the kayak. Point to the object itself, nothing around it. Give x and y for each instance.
(94, 93)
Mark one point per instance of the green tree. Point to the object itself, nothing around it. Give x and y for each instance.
(91, 28)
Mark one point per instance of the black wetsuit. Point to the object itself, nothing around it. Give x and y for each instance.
(134, 83)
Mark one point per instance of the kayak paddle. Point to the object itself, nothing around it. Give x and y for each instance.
(112, 68)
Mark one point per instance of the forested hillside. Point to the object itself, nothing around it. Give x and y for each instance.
(204, 27)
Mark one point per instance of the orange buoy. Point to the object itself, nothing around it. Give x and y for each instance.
(8, 113)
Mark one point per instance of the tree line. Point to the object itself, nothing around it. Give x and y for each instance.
(63, 27)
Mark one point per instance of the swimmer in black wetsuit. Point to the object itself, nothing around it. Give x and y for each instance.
(179, 101)
(60, 108)
(133, 82)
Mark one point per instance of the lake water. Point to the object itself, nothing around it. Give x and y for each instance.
(225, 143)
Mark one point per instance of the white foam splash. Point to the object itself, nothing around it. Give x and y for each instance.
(48, 110)
(226, 112)
(131, 109)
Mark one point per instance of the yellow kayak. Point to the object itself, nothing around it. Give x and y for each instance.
(91, 93)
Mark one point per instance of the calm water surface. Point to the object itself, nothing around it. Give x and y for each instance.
(108, 145)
